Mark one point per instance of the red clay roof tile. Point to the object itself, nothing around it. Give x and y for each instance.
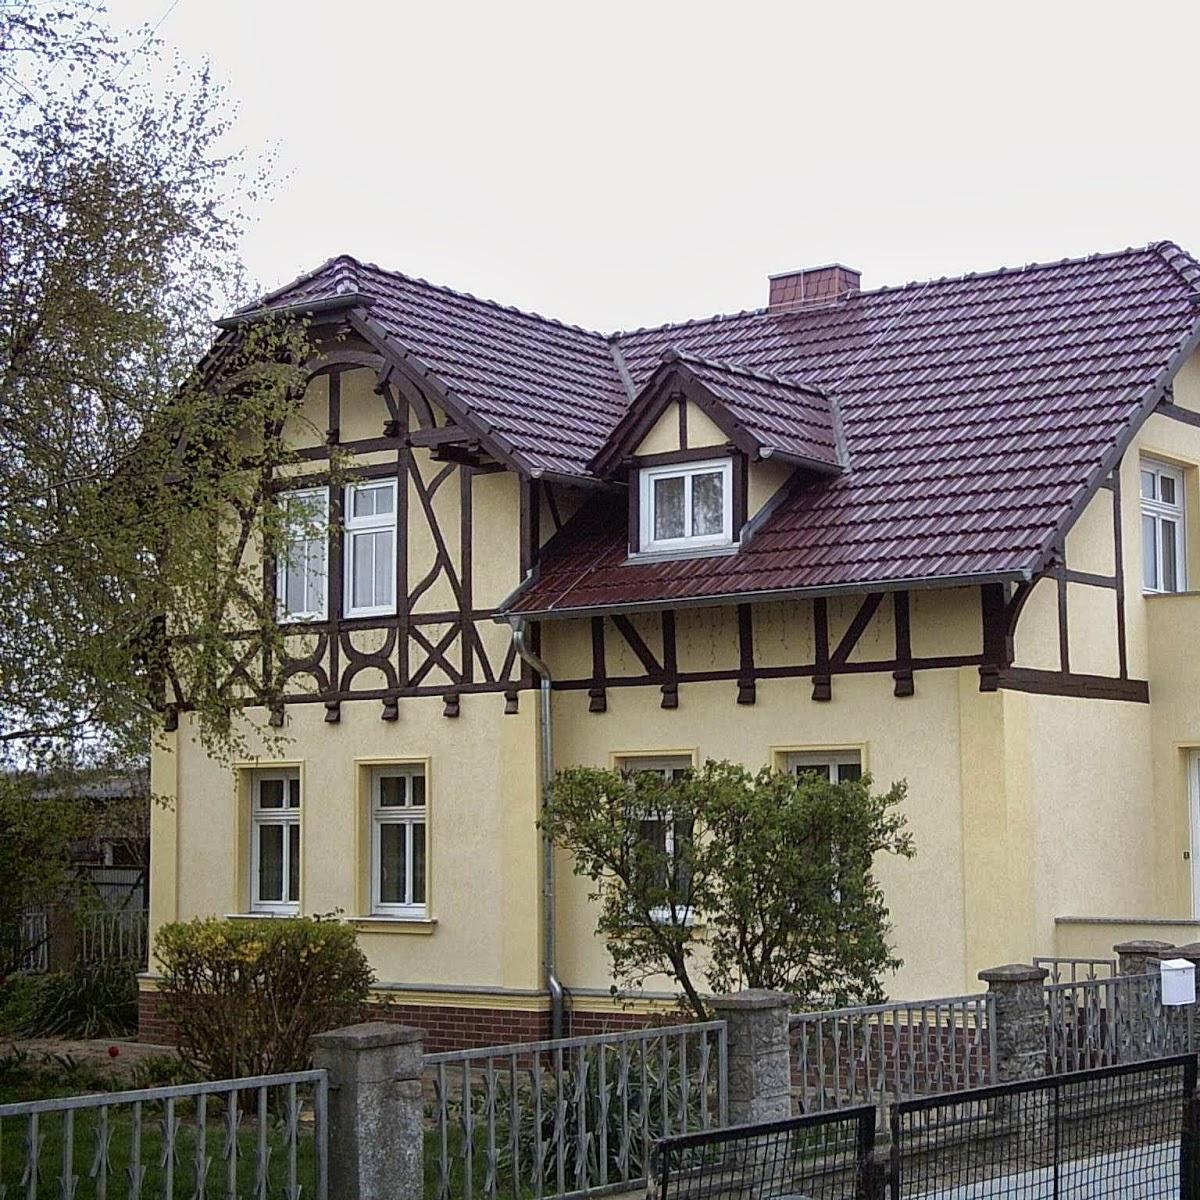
(975, 412)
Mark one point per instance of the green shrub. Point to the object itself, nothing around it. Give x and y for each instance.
(245, 997)
(18, 998)
(92, 1000)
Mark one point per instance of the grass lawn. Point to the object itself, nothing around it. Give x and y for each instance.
(201, 1149)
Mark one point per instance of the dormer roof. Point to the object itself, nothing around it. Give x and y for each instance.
(763, 415)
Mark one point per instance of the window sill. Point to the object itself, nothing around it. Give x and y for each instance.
(684, 552)
(380, 924)
(262, 916)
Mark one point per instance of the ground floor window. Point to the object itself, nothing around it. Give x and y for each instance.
(275, 841)
(838, 766)
(398, 842)
(669, 835)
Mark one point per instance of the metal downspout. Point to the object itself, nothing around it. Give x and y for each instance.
(553, 986)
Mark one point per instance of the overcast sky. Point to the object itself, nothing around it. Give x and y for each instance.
(619, 164)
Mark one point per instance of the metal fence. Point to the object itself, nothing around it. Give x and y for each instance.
(107, 935)
(570, 1116)
(1118, 1132)
(260, 1137)
(849, 1056)
(1106, 1022)
(35, 942)
(1072, 970)
(826, 1156)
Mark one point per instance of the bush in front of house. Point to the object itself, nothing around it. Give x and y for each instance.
(91, 1000)
(245, 997)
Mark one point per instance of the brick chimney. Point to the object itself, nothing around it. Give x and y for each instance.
(813, 285)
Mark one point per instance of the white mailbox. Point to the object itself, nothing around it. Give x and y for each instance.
(1178, 981)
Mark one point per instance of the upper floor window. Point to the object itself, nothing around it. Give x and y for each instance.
(370, 566)
(687, 506)
(303, 566)
(398, 853)
(1163, 568)
(275, 841)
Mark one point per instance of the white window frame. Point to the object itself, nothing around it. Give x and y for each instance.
(806, 760)
(661, 764)
(1158, 511)
(647, 543)
(796, 760)
(406, 815)
(287, 817)
(355, 526)
(319, 611)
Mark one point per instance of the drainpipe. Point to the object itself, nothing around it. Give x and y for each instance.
(553, 986)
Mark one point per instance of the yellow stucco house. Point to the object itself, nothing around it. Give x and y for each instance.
(944, 532)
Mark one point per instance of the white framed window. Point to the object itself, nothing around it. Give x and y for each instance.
(1163, 565)
(370, 556)
(275, 841)
(668, 835)
(302, 570)
(686, 506)
(399, 855)
(838, 766)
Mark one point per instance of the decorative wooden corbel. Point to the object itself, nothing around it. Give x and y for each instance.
(597, 700)
(670, 695)
(275, 720)
(450, 704)
(512, 701)
(391, 709)
(333, 712)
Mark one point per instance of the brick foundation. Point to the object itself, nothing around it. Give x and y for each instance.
(451, 1027)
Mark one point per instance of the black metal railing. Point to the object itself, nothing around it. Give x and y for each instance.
(1116, 1131)
(1123, 1131)
(823, 1156)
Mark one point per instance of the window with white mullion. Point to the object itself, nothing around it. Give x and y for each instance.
(1163, 523)
(669, 835)
(685, 507)
(370, 551)
(836, 767)
(275, 842)
(302, 569)
(398, 844)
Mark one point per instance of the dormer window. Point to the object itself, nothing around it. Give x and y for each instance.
(686, 506)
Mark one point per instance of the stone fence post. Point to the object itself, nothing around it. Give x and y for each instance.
(1140, 957)
(375, 1134)
(759, 1080)
(1020, 1039)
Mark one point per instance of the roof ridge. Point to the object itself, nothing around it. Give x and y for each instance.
(278, 292)
(993, 273)
(1180, 261)
(484, 300)
(740, 369)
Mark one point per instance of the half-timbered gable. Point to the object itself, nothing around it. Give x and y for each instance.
(944, 532)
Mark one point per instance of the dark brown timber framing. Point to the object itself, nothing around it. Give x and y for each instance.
(902, 676)
(747, 692)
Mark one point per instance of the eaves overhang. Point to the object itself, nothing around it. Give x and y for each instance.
(722, 599)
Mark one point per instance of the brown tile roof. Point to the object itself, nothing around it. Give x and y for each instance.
(777, 415)
(975, 411)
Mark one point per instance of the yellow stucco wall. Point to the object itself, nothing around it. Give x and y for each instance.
(1025, 808)
(663, 435)
(862, 713)
(484, 889)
